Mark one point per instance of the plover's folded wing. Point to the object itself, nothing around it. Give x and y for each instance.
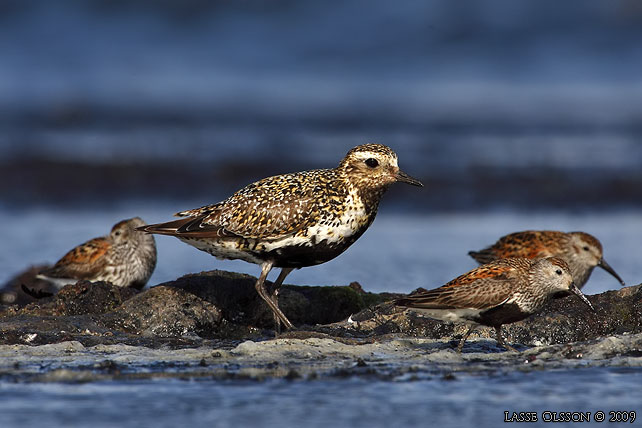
(190, 227)
(271, 208)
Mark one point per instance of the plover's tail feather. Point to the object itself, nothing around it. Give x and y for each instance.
(189, 227)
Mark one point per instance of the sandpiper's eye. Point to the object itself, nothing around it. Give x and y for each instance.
(558, 271)
(117, 233)
(586, 248)
(372, 162)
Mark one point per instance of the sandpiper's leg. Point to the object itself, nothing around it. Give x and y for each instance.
(274, 295)
(463, 339)
(500, 340)
(260, 288)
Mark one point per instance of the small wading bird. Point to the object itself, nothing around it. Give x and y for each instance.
(500, 292)
(125, 257)
(292, 220)
(582, 252)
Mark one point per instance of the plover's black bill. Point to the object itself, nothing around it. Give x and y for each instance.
(607, 267)
(405, 178)
(581, 295)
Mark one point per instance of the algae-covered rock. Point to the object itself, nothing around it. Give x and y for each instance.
(213, 304)
(224, 305)
(239, 302)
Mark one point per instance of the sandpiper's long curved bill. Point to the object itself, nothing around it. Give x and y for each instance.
(581, 295)
(607, 267)
(405, 178)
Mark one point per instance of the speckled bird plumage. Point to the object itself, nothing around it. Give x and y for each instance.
(126, 258)
(583, 252)
(501, 292)
(293, 220)
(308, 210)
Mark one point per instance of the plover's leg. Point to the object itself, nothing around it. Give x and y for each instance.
(260, 288)
(500, 340)
(463, 339)
(274, 294)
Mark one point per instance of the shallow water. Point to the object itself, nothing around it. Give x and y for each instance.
(356, 402)
(399, 253)
(402, 382)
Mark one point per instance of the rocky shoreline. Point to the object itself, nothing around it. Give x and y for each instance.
(224, 305)
(390, 359)
(214, 324)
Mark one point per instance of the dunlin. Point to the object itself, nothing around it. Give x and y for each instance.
(126, 258)
(582, 252)
(501, 292)
(293, 220)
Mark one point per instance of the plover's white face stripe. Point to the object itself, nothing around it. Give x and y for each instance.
(391, 160)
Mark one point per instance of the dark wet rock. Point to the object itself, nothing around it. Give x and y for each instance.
(220, 305)
(81, 298)
(304, 305)
(568, 320)
(166, 312)
(100, 312)
(209, 305)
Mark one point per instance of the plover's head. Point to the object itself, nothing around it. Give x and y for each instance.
(552, 275)
(374, 166)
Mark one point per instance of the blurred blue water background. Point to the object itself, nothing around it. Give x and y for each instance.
(516, 115)
(112, 109)
(470, 94)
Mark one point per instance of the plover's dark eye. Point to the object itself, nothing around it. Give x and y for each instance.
(586, 248)
(117, 233)
(372, 162)
(558, 271)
